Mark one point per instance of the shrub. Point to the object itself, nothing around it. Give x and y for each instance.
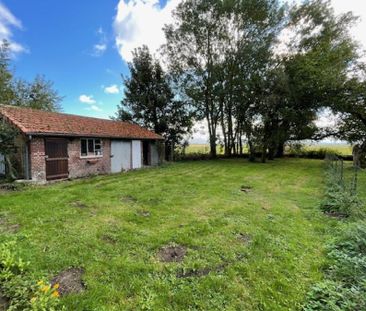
(340, 196)
(194, 156)
(23, 292)
(344, 288)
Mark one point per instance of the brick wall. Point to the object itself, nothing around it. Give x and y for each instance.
(80, 167)
(37, 159)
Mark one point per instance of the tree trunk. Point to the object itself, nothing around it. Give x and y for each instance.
(271, 153)
(213, 153)
(264, 154)
(359, 155)
(240, 144)
(280, 150)
(223, 127)
(251, 151)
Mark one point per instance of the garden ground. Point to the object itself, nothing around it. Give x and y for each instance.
(205, 235)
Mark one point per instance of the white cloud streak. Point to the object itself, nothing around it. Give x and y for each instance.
(113, 89)
(140, 22)
(101, 46)
(8, 22)
(87, 99)
(95, 108)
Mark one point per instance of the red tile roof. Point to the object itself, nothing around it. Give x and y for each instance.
(37, 122)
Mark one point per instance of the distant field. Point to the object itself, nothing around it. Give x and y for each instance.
(342, 149)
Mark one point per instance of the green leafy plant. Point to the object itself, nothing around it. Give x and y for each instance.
(344, 288)
(340, 196)
(18, 285)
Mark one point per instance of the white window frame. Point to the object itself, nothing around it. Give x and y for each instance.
(91, 155)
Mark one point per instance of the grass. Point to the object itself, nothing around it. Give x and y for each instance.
(100, 224)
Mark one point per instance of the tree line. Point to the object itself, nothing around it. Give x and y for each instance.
(259, 72)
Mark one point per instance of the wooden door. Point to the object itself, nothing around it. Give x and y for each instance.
(57, 160)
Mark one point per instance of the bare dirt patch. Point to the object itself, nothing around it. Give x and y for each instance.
(336, 215)
(144, 213)
(128, 199)
(70, 281)
(200, 272)
(108, 238)
(244, 237)
(79, 204)
(174, 253)
(5, 226)
(246, 189)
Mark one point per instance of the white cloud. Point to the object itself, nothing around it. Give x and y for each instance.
(113, 89)
(101, 46)
(99, 49)
(95, 108)
(7, 23)
(87, 99)
(140, 22)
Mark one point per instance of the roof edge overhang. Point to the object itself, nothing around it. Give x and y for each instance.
(43, 134)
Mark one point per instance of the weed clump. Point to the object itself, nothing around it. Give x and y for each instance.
(344, 288)
(19, 290)
(340, 198)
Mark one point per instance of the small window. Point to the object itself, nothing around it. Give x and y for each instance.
(84, 150)
(90, 147)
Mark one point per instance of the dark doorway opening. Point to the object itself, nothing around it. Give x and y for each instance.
(146, 153)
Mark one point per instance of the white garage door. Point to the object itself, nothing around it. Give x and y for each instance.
(136, 154)
(121, 156)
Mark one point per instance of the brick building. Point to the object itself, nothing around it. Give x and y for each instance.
(54, 146)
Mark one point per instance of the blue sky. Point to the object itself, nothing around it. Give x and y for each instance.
(73, 43)
(83, 46)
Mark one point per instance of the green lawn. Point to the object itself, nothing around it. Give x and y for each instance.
(255, 250)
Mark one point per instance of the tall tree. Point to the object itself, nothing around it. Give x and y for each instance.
(218, 46)
(350, 107)
(149, 100)
(313, 71)
(6, 76)
(193, 51)
(38, 94)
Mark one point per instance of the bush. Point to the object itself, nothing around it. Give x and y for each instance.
(340, 197)
(345, 286)
(23, 292)
(196, 156)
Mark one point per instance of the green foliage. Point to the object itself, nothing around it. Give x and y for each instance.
(18, 285)
(6, 76)
(149, 99)
(344, 288)
(340, 196)
(8, 135)
(38, 94)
